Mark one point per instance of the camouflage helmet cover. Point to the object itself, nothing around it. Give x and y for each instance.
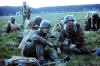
(69, 17)
(94, 14)
(45, 24)
(37, 19)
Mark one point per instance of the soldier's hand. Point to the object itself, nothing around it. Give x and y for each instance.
(51, 45)
(72, 45)
(58, 51)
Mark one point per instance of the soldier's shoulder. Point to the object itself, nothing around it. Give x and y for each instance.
(76, 23)
(63, 31)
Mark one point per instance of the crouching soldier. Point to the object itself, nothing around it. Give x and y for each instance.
(92, 21)
(37, 20)
(35, 46)
(12, 25)
(73, 32)
(33, 25)
(58, 27)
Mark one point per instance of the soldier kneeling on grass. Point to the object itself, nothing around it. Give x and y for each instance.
(12, 25)
(73, 32)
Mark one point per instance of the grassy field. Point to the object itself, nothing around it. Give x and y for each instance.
(9, 47)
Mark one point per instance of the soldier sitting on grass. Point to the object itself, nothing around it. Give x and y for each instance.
(73, 32)
(35, 46)
(12, 25)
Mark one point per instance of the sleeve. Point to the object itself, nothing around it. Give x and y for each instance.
(80, 37)
(79, 30)
(29, 10)
(56, 28)
(61, 38)
(8, 29)
(38, 39)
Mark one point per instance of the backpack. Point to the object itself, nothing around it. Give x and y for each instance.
(22, 61)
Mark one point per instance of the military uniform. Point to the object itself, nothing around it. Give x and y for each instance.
(92, 22)
(29, 26)
(33, 25)
(26, 12)
(35, 46)
(75, 36)
(12, 26)
(58, 27)
(37, 21)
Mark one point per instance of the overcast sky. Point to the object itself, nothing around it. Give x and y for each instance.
(46, 3)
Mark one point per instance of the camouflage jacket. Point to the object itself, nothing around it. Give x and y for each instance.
(75, 36)
(39, 38)
(31, 25)
(12, 27)
(58, 27)
(26, 11)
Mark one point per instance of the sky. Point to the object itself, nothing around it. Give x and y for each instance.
(46, 3)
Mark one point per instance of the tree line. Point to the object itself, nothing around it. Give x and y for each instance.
(16, 10)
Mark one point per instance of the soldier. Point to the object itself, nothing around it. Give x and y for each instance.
(34, 24)
(26, 12)
(35, 46)
(29, 27)
(37, 21)
(58, 27)
(92, 21)
(73, 32)
(12, 25)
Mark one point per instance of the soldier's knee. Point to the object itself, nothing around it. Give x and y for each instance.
(76, 50)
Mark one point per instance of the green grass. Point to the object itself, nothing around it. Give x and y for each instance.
(9, 48)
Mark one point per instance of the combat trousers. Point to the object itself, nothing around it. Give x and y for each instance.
(26, 17)
(75, 50)
(38, 50)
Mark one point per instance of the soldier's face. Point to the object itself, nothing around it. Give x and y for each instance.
(45, 30)
(70, 23)
(12, 20)
(38, 23)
